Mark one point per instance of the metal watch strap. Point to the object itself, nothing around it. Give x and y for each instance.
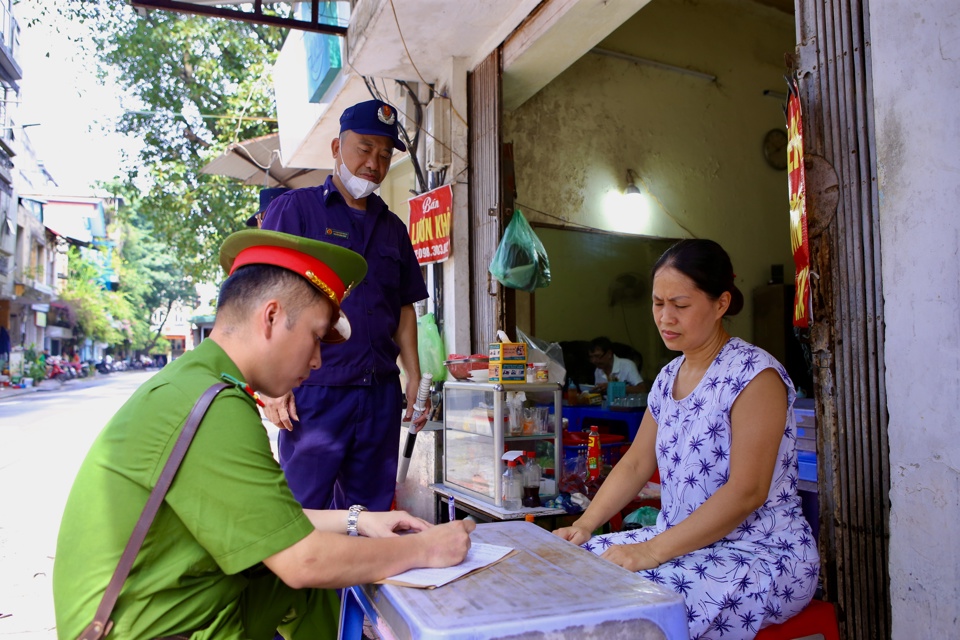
(353, 514)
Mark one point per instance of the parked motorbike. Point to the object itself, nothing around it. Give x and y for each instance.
(56, 371)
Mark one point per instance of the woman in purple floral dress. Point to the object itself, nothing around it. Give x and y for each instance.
(731, 537)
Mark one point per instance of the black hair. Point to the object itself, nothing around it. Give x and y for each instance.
(250, 283)
(602, 343)
(708, 265)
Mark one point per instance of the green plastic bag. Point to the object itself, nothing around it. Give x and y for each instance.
(520, 261)
(430, 347)
(642, 517)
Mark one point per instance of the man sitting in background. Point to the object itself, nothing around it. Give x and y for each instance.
(610, 368)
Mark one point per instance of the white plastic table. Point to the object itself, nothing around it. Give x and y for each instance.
(552, 587)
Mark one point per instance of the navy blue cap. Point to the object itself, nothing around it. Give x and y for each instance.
(372, 118)
(266, 197)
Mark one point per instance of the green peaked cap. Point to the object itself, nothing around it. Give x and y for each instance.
(320, 263)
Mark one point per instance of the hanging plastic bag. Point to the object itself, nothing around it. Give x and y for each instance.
(520, 261)
(430, 347)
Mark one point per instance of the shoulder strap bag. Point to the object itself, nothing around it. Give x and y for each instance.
(102, 624)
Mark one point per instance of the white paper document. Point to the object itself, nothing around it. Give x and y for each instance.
(479, 557)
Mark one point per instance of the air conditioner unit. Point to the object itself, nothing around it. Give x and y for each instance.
(437, 125)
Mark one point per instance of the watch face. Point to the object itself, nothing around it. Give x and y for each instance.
(775, 149)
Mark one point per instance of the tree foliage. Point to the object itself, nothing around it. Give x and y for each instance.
(152, 279)
(93, 306)
(199, 84)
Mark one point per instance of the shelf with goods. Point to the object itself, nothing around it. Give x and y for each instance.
(477, 433)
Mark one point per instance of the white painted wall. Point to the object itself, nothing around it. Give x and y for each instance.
(916, 73)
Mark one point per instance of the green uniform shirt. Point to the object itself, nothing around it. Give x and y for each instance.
(228, 509)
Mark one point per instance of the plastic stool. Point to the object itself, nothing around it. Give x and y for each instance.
(817, 620)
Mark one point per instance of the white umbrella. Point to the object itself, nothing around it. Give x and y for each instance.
(257, 162)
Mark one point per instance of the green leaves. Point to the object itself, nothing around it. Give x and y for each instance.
(195, 85)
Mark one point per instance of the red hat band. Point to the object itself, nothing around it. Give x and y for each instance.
(318, 273)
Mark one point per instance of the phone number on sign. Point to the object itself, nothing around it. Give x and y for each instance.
(431, 252)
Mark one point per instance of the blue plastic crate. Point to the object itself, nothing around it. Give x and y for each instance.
(807, 461)
(610, 452)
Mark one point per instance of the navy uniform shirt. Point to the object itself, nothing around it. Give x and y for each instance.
(373, 308)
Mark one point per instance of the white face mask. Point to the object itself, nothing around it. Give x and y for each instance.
(356, 187)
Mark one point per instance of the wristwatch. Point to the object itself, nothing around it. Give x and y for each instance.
(353, 514)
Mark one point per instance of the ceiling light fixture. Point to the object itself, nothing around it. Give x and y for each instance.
(632, 188)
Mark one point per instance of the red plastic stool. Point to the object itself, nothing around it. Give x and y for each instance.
(817, 620)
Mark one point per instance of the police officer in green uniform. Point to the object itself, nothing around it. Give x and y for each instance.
(231, 554)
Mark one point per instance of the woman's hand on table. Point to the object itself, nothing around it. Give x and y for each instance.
(280, 411)
(632, 557)
(387, 524)
(573, 533)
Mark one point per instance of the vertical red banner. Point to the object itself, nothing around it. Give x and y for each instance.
(431, 214)
(799, 242)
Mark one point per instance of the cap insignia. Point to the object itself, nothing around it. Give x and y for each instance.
(386, 115)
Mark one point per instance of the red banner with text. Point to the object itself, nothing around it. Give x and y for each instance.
(430, 216)
(799, 242)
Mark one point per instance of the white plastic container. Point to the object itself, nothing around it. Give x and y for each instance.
(512, 485)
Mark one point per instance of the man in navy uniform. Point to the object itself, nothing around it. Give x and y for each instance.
(340, 439)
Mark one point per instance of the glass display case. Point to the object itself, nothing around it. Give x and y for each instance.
(482, 421)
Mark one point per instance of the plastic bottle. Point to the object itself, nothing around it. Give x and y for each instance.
(512, 487)
(593, 453)
(531, 480)
(572, 394)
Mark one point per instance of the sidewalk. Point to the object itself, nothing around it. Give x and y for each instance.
(7, 393)
(13, 392)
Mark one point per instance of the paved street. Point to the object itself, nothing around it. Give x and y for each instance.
(44, 436)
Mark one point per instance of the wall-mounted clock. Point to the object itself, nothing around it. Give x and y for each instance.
(775, 148)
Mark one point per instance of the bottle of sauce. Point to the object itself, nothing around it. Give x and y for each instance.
(593, 453)
(531, 480)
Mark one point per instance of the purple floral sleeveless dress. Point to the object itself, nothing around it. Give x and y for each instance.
(766, 569)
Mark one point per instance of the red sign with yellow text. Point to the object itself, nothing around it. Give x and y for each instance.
(430, 216)
(799, 242)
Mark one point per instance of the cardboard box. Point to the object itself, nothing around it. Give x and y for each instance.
(507, 373)
(592, 399)
(512, 352)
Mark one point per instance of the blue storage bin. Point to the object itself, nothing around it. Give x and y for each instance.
(807, 461)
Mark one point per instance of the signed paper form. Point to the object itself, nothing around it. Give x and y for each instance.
(479, 557)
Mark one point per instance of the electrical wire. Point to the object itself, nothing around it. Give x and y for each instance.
(143, 112)
(663, 207)
(567, 221)
(375, 92)
(403, 41)
(243, 111)
(240, 149)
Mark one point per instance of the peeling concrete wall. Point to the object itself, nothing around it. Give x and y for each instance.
(916, 75)
(697, 145)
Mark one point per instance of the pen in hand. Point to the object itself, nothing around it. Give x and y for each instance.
(451, 509)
